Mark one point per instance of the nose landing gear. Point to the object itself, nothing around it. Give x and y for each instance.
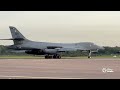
(89, 55)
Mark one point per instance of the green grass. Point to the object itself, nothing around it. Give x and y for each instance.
(42, 57)
(84, 57)
(19, 57)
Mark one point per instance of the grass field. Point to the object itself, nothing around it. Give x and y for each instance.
(42, 57)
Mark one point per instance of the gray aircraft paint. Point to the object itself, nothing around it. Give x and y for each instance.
(21, 43)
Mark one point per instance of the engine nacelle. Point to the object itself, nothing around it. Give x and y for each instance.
(41, 52)
(50, 51)
(36, 52)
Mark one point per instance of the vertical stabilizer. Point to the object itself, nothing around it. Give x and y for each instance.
(18, 38)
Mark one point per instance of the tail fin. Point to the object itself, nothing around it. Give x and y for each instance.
(17, 37)
(15, 33)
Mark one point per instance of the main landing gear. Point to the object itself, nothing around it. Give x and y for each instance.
(56, 56)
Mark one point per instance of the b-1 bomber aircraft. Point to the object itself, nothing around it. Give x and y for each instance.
(50, 50)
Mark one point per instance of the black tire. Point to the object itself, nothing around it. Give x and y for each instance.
(58, 57)
(54, 56)
(50, 57)
(89, 56)
(46, 57)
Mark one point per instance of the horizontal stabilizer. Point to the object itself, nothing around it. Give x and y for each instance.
(13, 39)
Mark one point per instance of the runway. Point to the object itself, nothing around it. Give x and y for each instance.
(60, 68)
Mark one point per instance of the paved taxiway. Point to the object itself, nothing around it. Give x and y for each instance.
(60, 68)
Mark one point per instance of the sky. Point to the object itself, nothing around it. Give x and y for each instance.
(99, 27)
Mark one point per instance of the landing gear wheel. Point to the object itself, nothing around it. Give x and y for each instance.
(48, 57)
(89, 56)
(56, 56)
(59, 56)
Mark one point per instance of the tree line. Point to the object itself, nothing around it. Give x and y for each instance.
(107, 51)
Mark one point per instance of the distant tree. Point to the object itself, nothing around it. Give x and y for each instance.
(107, 51)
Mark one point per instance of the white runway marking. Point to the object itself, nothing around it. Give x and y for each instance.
(30, 77)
